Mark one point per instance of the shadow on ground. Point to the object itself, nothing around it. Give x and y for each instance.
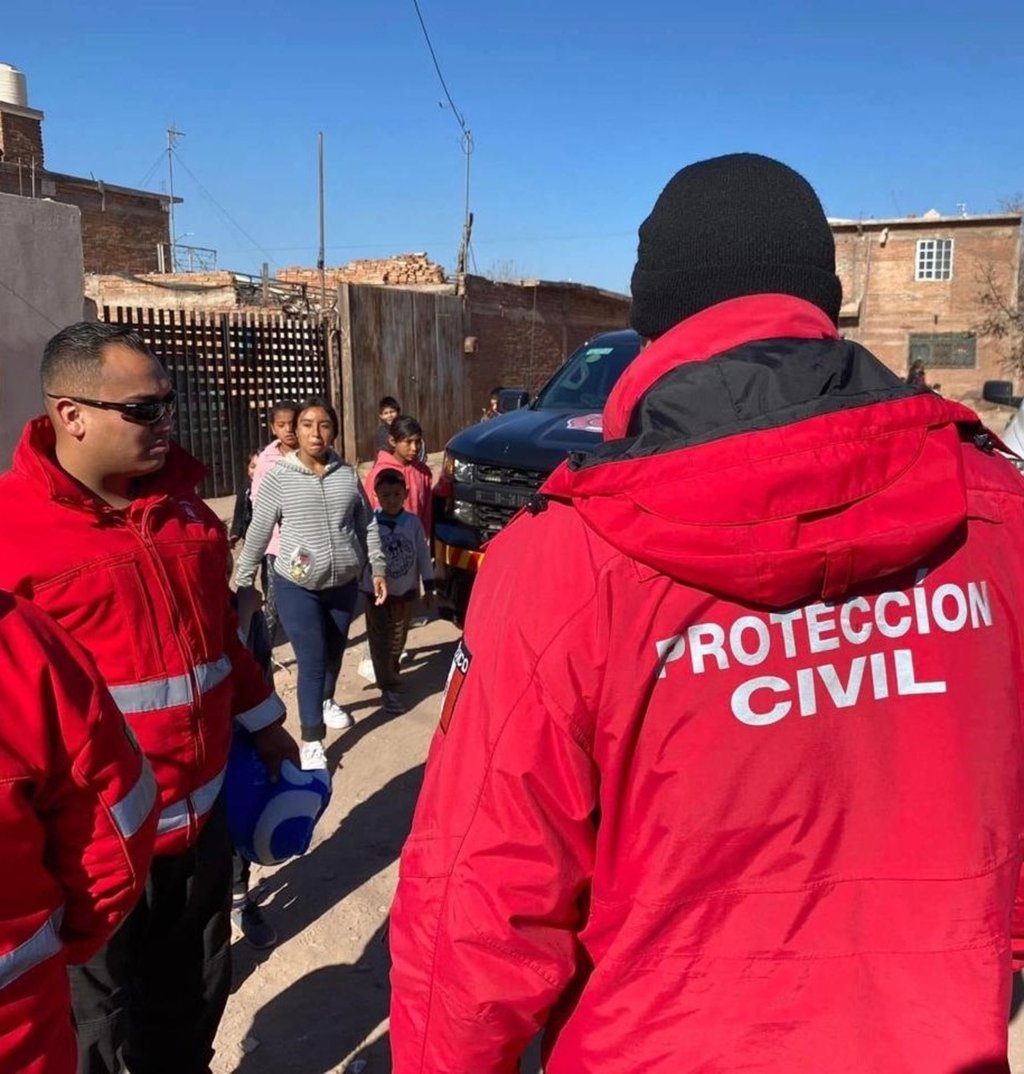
(315, 1022)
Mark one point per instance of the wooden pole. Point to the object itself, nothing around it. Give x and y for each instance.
(346, 374)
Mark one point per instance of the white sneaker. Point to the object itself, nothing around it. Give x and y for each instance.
(336, 718)
(312, 756)
(365, 671)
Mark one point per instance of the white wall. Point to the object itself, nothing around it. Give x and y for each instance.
(40, 293)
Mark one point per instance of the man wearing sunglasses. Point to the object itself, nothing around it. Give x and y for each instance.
(104, 530)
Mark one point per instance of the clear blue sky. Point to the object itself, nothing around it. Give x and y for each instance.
(581, 110)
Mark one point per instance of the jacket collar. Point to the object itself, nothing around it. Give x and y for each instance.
(36, 460)
(719, 328)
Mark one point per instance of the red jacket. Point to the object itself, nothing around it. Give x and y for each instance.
(418, 481)
(77, 820)
(144, 590)
(729, 771)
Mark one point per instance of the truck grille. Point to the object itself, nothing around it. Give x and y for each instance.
(494, 516)
(506, 475)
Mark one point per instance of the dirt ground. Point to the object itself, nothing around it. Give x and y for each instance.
(318, 1002)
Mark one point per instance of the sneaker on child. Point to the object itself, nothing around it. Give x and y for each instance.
(336, 718)
(312, 756)
(248, 919)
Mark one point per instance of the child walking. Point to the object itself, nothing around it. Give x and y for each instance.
(281, 424)
(407, 560)
(327, 536)
(405, 441)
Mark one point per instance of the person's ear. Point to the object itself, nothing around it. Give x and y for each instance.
(70, 417)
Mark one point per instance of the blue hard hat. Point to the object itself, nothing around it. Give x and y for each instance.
(270, 822)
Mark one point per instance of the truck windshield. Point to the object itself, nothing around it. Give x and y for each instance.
(588, 376)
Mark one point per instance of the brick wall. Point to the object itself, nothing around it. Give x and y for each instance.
(120, 229)
(21, 138)
(876, 261)
(524, 332)
(403, 270)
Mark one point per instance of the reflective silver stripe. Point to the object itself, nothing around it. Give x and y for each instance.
(176, 815)
(131, 812)
(262, 715)
(172, 818)
(204, 797)
(210, 675)
(154, 695)
(166, 693)
(41, 945)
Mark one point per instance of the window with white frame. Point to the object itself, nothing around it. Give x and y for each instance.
(934, 259)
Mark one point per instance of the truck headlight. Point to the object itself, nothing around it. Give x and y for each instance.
(464, 512)
(463, 472)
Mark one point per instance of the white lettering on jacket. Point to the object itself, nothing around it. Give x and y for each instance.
(801, 633)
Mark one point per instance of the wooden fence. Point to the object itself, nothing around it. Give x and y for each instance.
(404, 343)
(229, 369)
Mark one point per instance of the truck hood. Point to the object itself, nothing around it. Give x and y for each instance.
(763, 459)
(528, 439)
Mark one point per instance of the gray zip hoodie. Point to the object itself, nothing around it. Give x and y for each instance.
(326, 531)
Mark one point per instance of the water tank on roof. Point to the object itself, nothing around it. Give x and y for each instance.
(13, 89)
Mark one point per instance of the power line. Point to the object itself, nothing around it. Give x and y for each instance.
(220, 208)
(35, 309)
(140, 185)
(460, 119)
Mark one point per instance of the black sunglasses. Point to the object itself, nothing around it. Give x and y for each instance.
(149, 413)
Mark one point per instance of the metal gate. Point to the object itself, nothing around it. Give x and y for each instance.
(229, 369)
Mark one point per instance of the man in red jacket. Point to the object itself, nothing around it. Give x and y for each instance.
(77, 820)
(103, 530)
(729, 771)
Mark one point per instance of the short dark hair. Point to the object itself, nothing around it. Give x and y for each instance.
(496, 391)
(403, 427)
(317, 401)
(388, 476)
(73, 358)
(388, 401)
(289, 406)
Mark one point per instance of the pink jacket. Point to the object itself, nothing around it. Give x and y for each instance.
(267, 459)
(418, 480)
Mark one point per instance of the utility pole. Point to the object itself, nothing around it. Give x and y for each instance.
(173, 135)
(467, 219)
(320, 258)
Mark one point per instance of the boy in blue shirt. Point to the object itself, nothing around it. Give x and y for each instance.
(407, 558)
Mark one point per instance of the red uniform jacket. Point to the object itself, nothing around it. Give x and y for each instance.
(418, 481)
(729, 771)
(77, 820)
(144, 590)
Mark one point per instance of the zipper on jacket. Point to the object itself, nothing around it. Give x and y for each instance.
(142, 532)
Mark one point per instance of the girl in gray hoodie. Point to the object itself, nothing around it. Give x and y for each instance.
(326, 539)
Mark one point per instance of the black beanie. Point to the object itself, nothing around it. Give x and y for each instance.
(737, 225)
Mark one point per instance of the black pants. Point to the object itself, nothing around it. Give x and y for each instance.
(155, 994)
(387, 629)
(270, 616)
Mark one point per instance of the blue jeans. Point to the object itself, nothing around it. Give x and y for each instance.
(317, 622)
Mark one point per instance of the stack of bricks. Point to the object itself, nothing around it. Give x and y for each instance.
(404, 270)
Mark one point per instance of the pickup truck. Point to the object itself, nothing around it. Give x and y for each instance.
(492, 469)
(1001, 392)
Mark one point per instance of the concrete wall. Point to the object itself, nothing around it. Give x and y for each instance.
(40, 293)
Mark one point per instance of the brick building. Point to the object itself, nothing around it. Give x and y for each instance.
(520, 333)
(121, 227)
(912, 289)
